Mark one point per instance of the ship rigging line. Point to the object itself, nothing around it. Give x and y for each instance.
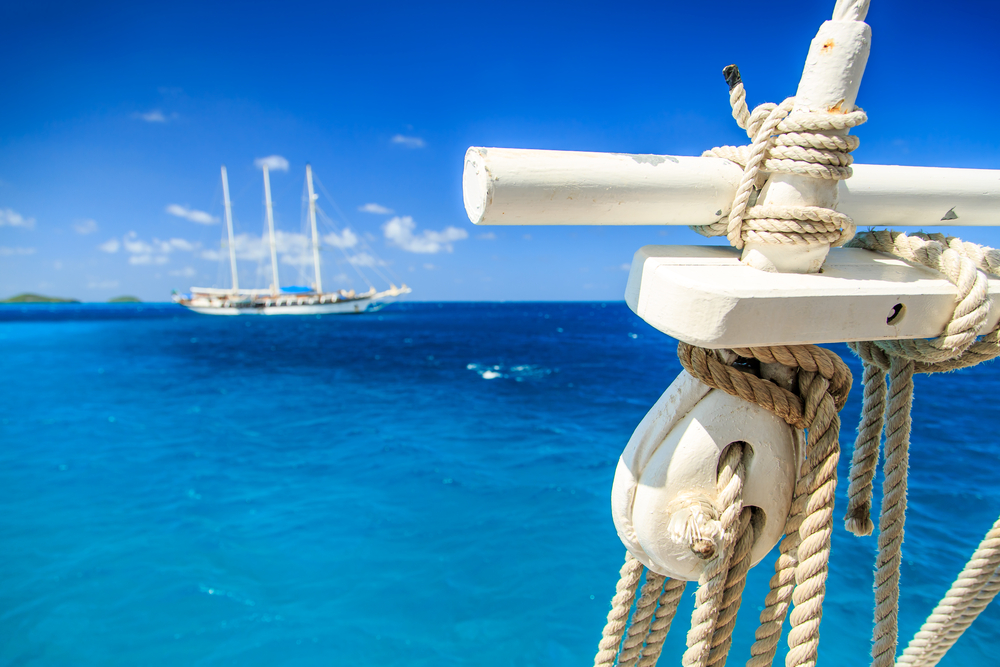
(392, 277)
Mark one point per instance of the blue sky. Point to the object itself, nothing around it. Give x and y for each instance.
(116, 117)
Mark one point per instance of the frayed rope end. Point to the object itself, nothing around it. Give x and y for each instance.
(859, 521)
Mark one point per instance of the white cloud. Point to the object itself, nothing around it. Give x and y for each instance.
(87, 226)
(136, 246)
(488, 236)
(194, 215)
(375, 208)
(626, 267)
(293, 248)
(141, 260)
(273, 162)
(346, 239)
(11, 218)
(102, 284)
(400, 232)
(364, 259)
(429, 267)
(144, 253)
(186, 272)
(155, 116)
(7, 252)
(182, 244)
(409, 142)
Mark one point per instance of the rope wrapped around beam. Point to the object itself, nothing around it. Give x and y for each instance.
(963, 343)
(785, 141)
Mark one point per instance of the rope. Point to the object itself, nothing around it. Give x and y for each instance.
(974, 588)
(959, 269)
(859, 494)
(642, 618)
(815, 144)
(650, 622)
(893, 514)
(962, 343)
(739, 565)
(785, 141)
(823, 382)
(621, 603)
(710, 599)
(779, 598)
(658, 629)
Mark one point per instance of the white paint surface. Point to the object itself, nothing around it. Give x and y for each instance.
(508, 186)
(505, 186)
(669, 468)
(830, 81)
(706, 297)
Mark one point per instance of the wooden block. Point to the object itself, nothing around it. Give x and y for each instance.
(704, 296)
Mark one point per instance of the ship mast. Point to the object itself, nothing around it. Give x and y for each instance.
(270, 230)
(229, 228)
(312, 222)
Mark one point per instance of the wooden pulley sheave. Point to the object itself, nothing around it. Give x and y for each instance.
(740, 452)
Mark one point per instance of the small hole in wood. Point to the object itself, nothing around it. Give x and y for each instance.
(896, 316)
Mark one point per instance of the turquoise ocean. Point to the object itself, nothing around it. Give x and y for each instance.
(428, 485)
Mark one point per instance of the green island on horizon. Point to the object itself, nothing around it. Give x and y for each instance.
(29, 297)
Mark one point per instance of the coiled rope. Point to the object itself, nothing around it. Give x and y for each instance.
(785, 141)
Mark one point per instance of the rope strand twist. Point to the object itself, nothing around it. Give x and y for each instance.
(785, 140)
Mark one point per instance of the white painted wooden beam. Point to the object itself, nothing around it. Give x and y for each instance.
(505, 186)
(705, 296)
(510, 186)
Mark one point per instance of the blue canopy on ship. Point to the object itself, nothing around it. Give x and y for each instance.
(296, 289)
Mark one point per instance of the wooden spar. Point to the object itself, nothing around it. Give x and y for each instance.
(509, 186)
(830, 81)
(270, 230)
(312, 222)
(504, 186)
(229, 229)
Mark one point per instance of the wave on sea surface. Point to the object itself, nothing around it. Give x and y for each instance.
(518, 373)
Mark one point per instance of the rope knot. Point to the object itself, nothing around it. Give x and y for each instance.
(785, 140)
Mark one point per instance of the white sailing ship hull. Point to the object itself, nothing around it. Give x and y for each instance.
(284, 306)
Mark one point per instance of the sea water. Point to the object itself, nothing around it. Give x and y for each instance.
(428, 485)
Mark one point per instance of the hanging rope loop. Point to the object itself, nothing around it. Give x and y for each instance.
(962, 343)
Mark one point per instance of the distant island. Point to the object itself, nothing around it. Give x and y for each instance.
(28, 297)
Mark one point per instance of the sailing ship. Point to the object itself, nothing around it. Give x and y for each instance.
(275, 300)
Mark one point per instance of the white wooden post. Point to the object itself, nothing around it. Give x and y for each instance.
(830, 82)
